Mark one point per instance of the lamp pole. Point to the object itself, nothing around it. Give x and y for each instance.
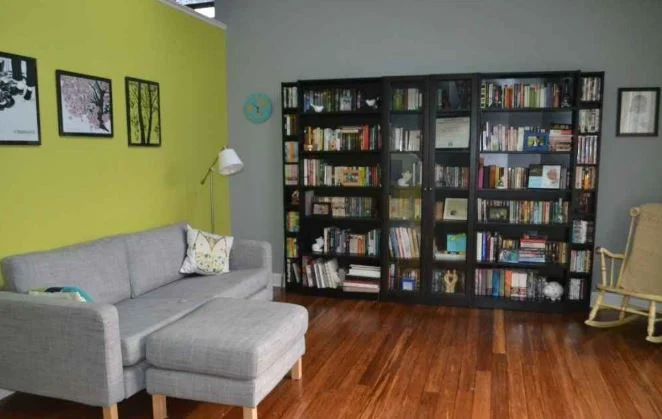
(210, 175)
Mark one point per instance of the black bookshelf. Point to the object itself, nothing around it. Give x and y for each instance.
(408, 110)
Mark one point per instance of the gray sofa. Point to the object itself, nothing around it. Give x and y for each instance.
(95, 353)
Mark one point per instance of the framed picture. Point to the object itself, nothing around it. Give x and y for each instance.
(455, 209)
(536, 141)
(322, 208)
(638, 112)
(84, 105)
(143, 112)
(19, 100)
(497, 214)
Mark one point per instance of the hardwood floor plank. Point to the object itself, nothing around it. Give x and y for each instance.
(382, 360)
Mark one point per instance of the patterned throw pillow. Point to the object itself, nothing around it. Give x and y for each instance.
(63, 293)
(207, 253)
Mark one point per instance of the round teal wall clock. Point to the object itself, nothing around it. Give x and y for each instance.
(258, 108)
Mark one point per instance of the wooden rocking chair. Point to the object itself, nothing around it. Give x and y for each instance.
(640, 273)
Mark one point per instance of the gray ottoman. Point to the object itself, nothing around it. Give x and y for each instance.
(228, 351)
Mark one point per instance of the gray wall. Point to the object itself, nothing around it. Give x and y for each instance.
(274, 41)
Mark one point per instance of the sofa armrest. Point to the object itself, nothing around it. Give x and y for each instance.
(251, 254)
(63, 349)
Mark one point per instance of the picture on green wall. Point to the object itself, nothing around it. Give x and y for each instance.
(19, 100)
(84, 105)
(143, 112)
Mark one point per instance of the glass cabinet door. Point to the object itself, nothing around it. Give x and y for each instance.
(405, 190)
(450, 147)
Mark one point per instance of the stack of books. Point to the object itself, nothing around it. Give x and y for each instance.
(320, 273)
(532, 250)
(362, 278)
(560, 140)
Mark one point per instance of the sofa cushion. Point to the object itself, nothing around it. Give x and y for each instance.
(229, 338)
(236, 284)
(138, 318)
(99, 267)
(155, 257)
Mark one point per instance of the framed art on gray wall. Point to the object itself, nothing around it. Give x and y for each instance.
(638, 112)
(19, 100)
(84, 105)
(143, 112)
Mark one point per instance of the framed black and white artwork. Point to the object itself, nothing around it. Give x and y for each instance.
(638, 112)
(143, 112)
(19, 100)
(84, 105)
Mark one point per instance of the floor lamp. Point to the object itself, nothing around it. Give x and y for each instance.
(229, 164)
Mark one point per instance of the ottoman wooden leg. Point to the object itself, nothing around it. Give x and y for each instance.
(159, 410)
(250, 412)
(297, 370)
(110, 412)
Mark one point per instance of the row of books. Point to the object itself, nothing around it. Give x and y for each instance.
(403, 279)
(320, 273)
(523, 212)
(585, 202)
(320, 173)
(334, 100)
(585, 177)
(291, 174)
(362, 278)
(290, 97)
(451, 177)
(404, 208)
(354, 138)
(339, 241)
(404, 243)
(576, 289)
(582, 231)
(454, 284)
(291, 248)
(292, 222)
(405, 139)
(499, 137)
(587, 149)
(525, 95)
(591, 88)
(345, 206)
(290, 124)
(493, 247)
(291, 151)
(508, 283)
(581, 261)
(410, 99)
(589, 121)
(293, 272)
(536, 176)
(356, 285)
(364, 271)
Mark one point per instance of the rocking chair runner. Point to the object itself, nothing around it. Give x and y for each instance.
(640, 273)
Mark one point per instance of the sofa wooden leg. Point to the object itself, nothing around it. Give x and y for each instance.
(297, 370)
(110, 412)
(250, 412)
(159, 410)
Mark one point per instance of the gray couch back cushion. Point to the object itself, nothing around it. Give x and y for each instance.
(99, 267)
(155, 257)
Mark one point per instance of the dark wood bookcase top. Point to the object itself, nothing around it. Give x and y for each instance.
(406, 109)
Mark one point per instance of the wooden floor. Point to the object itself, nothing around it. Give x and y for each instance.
(370, 360)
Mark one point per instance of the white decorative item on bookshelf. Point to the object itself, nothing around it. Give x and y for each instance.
(553, 290)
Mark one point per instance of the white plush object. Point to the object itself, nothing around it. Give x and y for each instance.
(553, 290)
(71, 296)
(207, 253)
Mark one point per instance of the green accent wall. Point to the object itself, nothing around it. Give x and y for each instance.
(72, 189)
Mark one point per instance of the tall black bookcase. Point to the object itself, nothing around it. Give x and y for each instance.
(415, 166)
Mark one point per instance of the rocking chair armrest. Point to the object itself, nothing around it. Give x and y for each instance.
(609, 254)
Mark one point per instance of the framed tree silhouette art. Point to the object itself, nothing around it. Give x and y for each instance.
(143, 112)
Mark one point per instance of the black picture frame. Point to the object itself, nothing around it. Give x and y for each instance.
(497, 214)
(7, 93)
(322, 208)
(67, 132)
(145, 136)
(622, 131)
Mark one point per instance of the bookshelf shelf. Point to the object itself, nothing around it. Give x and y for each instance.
(413, 112)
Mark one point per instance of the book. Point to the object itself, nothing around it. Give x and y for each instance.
(292, 222)
(290, 97)
(291, 151)
(451, 177)
(452, 132)
(405, 139)
(403, 279)
(290, 124)
(321, 173)
(519, 285)
(585, 177)
(338, 241)
(582, 231)
(591, 89)
(406, 99)
(504, 95)
(404, 208)
(344, 138)
(455, 209)
(527, 212)
(589, 121)
(291, 174)
(545, 176)
(336, 100)
(404, 242)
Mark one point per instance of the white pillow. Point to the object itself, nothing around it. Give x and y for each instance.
(207, 253)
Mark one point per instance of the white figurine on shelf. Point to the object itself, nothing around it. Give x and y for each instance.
(318, 246)
(553, 290)
(450, 280)
(404, 180)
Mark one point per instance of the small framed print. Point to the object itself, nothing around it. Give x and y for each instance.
(322, 208)
(84, 105)
(638, 112)
(497, 214)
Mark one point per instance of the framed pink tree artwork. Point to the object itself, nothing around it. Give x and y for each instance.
(84, 104)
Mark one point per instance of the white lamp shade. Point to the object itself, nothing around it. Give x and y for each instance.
(229, 162)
